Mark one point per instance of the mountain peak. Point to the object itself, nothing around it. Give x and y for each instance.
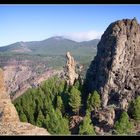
(57, 37)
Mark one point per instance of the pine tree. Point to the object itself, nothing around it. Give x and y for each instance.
(78, 83)
(23, 117)
(86, 127)
(135, 108)
(94, 101)
(59, 104)
(40, 119)
(52, 122)
(64, 126)
(47, 105)
(44, 106)
(75, 100)
(65, 99)
(55, 124)
(123, 126)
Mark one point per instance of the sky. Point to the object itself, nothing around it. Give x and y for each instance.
(76, 22)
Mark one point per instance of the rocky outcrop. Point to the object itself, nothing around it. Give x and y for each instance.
(74, 124)
(103, 120)
(107, 115)
(9, 120)
(75, 120)
(71, 74)
(21, 128)
(8, 112)
(115, 71)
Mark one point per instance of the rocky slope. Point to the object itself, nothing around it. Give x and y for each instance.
(115, 71)
(9, 120)
(19, 76)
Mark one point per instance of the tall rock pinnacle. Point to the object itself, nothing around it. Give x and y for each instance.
(71, 74)
(115, 71)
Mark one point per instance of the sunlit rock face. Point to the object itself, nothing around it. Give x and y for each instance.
(9, 119)
(71, 74)
(115, 71)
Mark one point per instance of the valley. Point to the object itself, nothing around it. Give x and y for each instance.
(69, 70)
(104, 102)
(62, 87)
(27, 69)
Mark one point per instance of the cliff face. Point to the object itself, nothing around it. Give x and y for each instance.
(9, 120)
(115, 71)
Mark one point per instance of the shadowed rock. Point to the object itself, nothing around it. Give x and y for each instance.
(115, 71)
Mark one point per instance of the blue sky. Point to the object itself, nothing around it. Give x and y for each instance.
(77, 22)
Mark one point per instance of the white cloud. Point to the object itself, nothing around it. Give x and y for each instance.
(83, 36)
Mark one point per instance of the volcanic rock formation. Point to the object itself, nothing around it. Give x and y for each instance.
(9, 120)
(71, 74)
(115, 71)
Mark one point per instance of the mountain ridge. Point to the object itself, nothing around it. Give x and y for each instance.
(48, 45)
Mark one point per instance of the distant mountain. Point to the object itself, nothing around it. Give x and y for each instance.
(91, 43)
(56, 45)
(14, 47)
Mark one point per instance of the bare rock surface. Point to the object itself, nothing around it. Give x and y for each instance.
(115, 71)
(9, 120)
(71, 74)
(19, 77)
(107, 115)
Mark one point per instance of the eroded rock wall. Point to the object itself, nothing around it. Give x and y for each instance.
(115, 71)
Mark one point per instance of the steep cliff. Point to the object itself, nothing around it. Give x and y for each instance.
(9, 120)
(115, 71)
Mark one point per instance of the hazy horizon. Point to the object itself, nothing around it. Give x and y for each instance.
(48, 38)
(75, 22)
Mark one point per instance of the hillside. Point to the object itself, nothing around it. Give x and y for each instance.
(106, 103)
(52, 46)
(53, 50)
(40, 60)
